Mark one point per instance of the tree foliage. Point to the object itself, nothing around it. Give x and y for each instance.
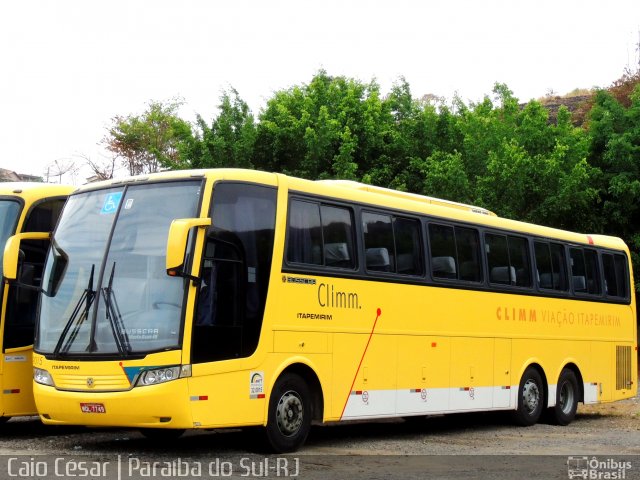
(497, 153)
(152, 141)
(230, 140)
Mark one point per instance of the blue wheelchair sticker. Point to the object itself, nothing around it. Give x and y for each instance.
(111, 203)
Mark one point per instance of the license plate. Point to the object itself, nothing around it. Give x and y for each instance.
(92, 408)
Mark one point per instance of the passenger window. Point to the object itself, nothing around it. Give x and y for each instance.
(520, 260)
(584, 271)
(468, 248)
(615, 275)
(378, 242)
(305, 233)
(455, 253)
(508, 260)
(500, 270)
(550, 266)
(392, 244)
(337, 232)
(593, 272)
(408, 246)
(320, 235)
(442, 242)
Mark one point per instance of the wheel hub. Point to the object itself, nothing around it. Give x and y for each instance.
(566, 397)
(290, 413)
(530, 396)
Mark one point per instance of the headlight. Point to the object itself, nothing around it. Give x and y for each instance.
(42, 376)
(162, 375)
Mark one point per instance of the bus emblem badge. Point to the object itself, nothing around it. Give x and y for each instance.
(90, 382)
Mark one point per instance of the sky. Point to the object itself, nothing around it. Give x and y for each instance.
(68, 67)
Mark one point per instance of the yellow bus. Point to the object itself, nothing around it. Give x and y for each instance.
(28, 212)
(229, 298)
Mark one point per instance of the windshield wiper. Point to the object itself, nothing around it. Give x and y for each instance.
(77, 318)
(114, 317)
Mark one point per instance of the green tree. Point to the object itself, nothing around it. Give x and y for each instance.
(229, 141)
(443, 176)
(149, 142)
(331, 125)
(615, 149)
(343, 165)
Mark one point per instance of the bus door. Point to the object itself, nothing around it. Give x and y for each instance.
(234, 280)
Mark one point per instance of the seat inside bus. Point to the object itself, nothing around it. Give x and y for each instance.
(443, 267)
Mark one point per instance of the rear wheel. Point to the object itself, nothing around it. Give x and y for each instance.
(567, 395)
(290, 414)
(530, 398)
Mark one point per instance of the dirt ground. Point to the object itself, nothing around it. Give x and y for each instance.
(456, 446)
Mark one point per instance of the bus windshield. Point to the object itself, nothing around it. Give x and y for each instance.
(9, 211)
(106, 288)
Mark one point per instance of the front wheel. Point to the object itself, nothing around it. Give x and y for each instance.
(530, 398)
(567, 394)
(290, 414)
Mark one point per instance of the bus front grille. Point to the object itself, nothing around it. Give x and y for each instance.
(92, 383)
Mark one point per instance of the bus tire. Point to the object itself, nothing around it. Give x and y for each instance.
(530, 398)
(567, 394)
(289, 419)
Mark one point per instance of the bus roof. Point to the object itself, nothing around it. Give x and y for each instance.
(372, 195)
(410, 196)
(32, 191)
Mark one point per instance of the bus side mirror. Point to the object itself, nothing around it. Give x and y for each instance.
(11, 258)
(177, 242)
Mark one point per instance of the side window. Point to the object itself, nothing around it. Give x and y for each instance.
(455, 253)
(320, 234)
(615, 275)
(550, 264)
(392, 244)
(584, 271)
(44, 216)
(520, 260)
(498, 260)
(508, 260)
(337, 233)
(22, 304)
(442, 243)
(305, 233)
(408, 246)
(592, 272)
(468, 247)
(621, 275)
(379, 247)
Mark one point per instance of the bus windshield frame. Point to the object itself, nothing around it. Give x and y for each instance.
(106, 290)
